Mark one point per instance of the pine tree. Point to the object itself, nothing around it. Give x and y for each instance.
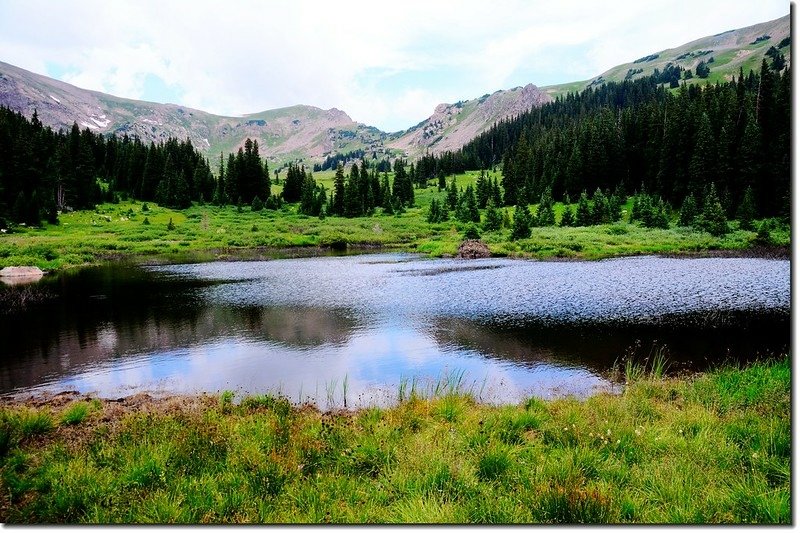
(747, 210)
(522, 223)
(600, 211)
(689, 211)
(494, 221)
(452, 195)
(482, 190)
(545, 214)
(583, 213)
(434, 212)
(712, 219)
(567, 217)
(700, 166)
(467, 209)
(338, 192)
(220, 198)
(231, 179)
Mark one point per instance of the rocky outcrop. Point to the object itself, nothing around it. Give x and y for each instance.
(451, 126)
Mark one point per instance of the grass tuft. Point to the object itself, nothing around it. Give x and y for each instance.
(711, 448)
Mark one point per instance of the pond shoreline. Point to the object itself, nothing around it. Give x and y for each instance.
(711, 442)
(266, 253)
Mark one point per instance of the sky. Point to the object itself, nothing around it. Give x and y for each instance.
(387, 64)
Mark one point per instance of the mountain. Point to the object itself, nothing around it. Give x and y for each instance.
(453, 125)
(733, 49)
(297, 132)
(308, 133)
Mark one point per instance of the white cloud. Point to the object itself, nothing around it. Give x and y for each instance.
(246, 56)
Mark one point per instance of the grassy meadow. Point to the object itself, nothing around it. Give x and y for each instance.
(208, 232)
(710, 448)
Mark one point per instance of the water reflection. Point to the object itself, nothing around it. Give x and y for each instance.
(326, 329)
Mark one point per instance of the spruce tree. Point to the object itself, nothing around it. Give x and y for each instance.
(338, 192)
(220, 197)
(583, 213)
(467, 210)
(689, 211)
(522, 223)
(545, 214)
(452, 195)
(600, 211)
(747, 210)
(494, 221)
(434, 213)
(712, 219)
(567, 217)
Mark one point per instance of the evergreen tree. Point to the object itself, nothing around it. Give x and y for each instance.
(583, 213)
(747, 210)
(689, 211)
(452, 195)
(522, 223)
(402, 188)
(545, 214)
(600, 211)
(220, 198)
(467, 209)
(494, 221)
(712, 219)
(352, 201)
(434, 212)
(567, 217)
(482, 190)
(338, 192)
(257, 204)
(231, 179)
(702, 70)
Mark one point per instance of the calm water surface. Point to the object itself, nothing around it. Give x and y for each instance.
(355, 328)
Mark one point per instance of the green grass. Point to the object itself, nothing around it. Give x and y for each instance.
(208, 232)
(712, 448)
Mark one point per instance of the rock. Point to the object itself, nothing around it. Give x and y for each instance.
(15, 275)
(473, 249)
(14, 272)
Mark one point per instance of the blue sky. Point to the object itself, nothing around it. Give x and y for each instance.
(385, 64)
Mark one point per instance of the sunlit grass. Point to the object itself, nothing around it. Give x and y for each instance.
(707, 449)
(208, 232)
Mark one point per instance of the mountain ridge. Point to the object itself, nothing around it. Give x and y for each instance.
(309, 134)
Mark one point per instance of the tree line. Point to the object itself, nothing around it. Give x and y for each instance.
(639, 135)
(44, 172)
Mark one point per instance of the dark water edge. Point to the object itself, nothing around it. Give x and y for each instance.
(159, 327)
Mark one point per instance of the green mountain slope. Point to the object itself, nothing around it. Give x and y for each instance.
(734, 49)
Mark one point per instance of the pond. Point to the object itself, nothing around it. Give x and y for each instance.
(360, 330)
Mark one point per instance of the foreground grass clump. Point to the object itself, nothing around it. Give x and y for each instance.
(714, 448)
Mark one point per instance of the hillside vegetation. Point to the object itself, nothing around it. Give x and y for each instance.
(742, 48)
